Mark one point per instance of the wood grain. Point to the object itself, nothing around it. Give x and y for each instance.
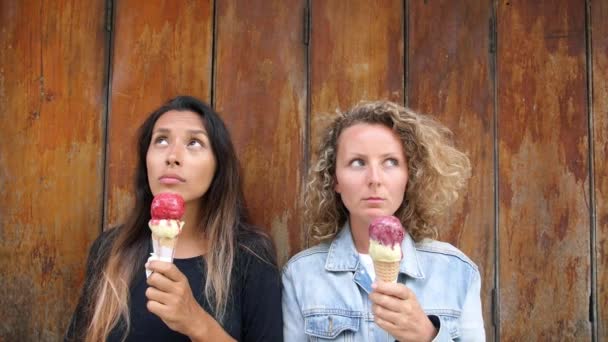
(356, 54)
(599, 29)
(450, 78)
(543, 171)
(52, 74)
(160, 51)
(261, 92)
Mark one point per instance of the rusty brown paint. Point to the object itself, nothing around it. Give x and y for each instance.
(159, 52)
(599, 29)
(543, 171)
(261, 92)
(52, 74)
(356, 53)
(449, 77)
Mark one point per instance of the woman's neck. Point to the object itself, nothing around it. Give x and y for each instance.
(191, 241)
(359, 229)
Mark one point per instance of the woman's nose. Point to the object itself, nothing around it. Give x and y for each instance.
(174, 157)
(374, 175)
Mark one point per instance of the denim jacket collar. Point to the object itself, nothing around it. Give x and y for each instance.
(343, 256)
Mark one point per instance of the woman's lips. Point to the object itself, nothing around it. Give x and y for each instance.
(171, 179)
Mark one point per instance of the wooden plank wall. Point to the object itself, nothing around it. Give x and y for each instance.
(543, 171)
(254, 82)
(599, 67)
(511, 78)
(52, 105)
(353, 57)
(449, 76)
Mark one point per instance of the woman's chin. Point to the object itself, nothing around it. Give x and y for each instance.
(370, 214)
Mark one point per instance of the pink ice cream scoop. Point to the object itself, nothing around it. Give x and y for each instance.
(386, 230)
(167, 206)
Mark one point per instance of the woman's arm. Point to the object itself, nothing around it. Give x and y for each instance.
(261, 293)
(76, 329)
(293, 321)
(207, 329)
(471, 319)
(170, 298)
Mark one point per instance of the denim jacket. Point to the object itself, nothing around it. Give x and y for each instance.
(325, 292)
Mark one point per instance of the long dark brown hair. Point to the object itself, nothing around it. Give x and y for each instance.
(224, 221)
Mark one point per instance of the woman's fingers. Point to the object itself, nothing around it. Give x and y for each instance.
(154, 294)
(397, 318)
(392, 289)
(168, 269)
(161, 282)
(386, 325)
(387, 302)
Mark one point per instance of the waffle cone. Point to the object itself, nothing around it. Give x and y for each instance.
(387, 271)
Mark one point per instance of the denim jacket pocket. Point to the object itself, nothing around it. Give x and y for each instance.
(336, 325)
(449, 321)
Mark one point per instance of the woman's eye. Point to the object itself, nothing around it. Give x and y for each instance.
(195, 143)
(391, 162)
(357, 163)
(161, 141)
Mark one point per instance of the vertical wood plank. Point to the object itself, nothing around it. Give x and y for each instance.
(449, 77)
(599, 29)
(52, 74)
(161, 50)
(356, 54)
(261, 92)
(543, 171)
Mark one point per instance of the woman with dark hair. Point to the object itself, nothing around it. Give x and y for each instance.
(224, 283)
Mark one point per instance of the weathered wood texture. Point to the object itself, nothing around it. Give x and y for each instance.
(53, 82)
(260, 91)
(159, 51)
(599, 29)
(356, 53)
(52, 70)
(449, 77)
(543, 171)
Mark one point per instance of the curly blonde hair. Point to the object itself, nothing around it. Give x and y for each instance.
(437, 171)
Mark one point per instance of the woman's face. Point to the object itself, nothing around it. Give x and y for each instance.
(371, 171)
(180, 159)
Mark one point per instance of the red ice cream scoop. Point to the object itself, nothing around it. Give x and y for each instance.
(167, 206)
(386, 230)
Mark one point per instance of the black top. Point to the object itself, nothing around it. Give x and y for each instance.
(253, 312)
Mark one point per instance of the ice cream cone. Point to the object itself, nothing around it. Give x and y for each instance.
(386, 271)
(166, 212)
(164, 247)
(385, 237)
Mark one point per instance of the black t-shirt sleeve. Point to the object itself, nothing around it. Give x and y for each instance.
(79, 321)
(262, 316)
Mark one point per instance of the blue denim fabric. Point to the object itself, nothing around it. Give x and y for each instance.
(325, 292)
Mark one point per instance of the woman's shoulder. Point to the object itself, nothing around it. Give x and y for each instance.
(103, 241)
(101, 247)
(432, 248)
(310, 256)
(254, 245)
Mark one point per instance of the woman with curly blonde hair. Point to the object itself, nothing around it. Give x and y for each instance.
(381, 159)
